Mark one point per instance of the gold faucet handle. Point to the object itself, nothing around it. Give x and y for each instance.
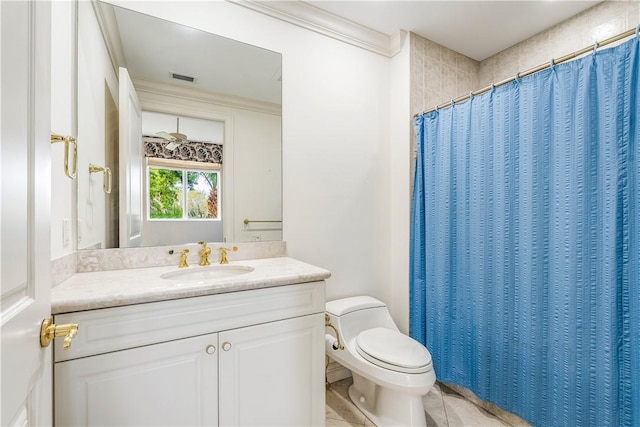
(223, 253)
(183, 258)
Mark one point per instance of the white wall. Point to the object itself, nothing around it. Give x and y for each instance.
(95, 77)
(257, 180)
(336, 179)
(400, 160)
(63, 123)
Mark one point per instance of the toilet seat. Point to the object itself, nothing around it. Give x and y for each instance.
(393, 350)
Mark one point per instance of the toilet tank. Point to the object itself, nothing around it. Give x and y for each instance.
(356, 314)
(343, 306)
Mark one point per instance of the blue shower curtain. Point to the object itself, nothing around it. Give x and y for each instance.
(525, 242)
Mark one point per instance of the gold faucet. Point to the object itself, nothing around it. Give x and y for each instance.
(223, 254)
(204, 254)
(183, 258)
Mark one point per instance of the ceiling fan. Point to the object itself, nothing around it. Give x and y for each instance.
(175, 138)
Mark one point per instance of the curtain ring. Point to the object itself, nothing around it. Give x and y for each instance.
(517, 78)
(453, 102)
(493, 87)
(596, 45)
(552, 63)
(436, 108)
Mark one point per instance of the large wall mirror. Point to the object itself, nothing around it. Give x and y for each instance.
(179, 134)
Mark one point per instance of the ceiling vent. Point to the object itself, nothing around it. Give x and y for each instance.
(183, 77)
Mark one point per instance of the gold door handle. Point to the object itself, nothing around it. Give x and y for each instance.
(49, 331)
(68, 141)
(106, 178)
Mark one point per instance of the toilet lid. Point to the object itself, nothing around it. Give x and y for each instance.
(393, 350)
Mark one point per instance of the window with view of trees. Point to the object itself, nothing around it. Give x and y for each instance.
(183, 194)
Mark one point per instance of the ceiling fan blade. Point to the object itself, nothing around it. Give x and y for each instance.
(174, 138)
(172, 145)
(179, 136)
(166, 136)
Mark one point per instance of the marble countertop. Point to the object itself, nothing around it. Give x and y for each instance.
(103, 289)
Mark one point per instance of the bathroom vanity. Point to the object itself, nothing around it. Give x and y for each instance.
(246, 349)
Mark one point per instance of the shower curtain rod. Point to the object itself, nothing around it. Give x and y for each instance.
(562, 59)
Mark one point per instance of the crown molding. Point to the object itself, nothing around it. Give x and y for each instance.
(108, 25)
(397, 39)
(320, 21)
(217, 98)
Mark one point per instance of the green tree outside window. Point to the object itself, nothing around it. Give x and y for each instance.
(167, 190)
(165, 193)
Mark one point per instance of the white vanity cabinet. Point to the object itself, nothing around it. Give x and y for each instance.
(253, 357)
(266, 373)
(166, 384)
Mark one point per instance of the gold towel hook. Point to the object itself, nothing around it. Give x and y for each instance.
(106, 178)
(68, 140)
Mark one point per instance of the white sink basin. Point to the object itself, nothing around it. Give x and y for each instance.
(207, 273)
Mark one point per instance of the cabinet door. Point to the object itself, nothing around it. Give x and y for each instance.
(273, 374)
(173, 383)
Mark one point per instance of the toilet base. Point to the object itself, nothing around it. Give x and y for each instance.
(386, 407)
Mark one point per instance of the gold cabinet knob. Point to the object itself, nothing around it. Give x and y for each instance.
(49, 331)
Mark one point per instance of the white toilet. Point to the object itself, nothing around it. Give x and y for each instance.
(391, 371)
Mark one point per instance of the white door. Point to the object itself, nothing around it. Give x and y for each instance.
(131, 168)
(25, 172)
(273, 374)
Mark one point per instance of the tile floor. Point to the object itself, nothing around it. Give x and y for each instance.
(443, 407)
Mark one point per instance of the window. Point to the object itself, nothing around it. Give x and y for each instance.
(184, 193)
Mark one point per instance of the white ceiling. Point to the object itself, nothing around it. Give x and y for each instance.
(477, 29)
(153, 48)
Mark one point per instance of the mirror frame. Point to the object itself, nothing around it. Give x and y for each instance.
(154, 103)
